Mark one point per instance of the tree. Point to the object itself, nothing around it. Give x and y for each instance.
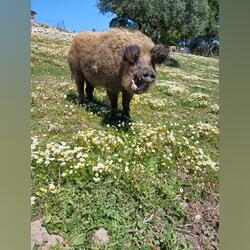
(122, 22)
(208, 43)
(212, 28)
(166, 21)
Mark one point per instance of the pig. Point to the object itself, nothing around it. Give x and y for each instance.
(118, 60)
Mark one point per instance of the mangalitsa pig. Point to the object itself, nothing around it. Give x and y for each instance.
(118, 60)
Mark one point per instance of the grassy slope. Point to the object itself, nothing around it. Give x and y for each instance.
(150, 175)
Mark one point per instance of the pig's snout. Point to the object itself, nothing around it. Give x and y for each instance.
(148, 76)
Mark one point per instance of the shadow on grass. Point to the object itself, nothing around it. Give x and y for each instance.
(102, 109)
(171, 62)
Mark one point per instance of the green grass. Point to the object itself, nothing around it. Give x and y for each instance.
(147, 172)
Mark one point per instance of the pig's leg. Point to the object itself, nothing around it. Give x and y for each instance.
(79, 78)
(113, 97)
(126, 98)
(89, 91)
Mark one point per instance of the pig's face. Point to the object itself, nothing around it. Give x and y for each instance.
(139, 73)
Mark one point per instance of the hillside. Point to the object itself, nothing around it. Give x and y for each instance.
(152, 184)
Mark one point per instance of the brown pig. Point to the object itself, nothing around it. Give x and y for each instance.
(118, 60)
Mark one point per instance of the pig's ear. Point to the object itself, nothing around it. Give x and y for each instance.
(160, 53)
(131, 53)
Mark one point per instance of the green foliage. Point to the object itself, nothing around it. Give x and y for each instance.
(212, 28)
(134, 181)
(165, 21)
(207, 44)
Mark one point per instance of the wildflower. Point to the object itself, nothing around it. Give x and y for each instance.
(77, 166)
(35, 156)
(197, 100)
(94, 169)
(79, 155)
(96, 179)
(51, 186)
(82, 159)
(47, 162)
(49, 146)
(33, 199)
(40, 160)
(171, 136)
(197, 167)
(198, 217)
(43, 190)
(215, 108)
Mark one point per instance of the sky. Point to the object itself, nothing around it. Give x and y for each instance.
(77, 15)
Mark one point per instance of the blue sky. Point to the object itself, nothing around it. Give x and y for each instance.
(78, 15)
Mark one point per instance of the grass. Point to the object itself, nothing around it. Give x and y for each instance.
(139, 181)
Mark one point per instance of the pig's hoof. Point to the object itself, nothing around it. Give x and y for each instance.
(126, 117)
(113, 117)
(80, 101)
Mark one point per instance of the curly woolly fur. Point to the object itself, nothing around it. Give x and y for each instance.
(98, 59)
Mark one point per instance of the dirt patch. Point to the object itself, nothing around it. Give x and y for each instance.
(42, 239)
(202, 226)
(101, 237)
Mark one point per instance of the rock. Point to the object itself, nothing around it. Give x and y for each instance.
(39, 234)
(41, 238)
(101, 236)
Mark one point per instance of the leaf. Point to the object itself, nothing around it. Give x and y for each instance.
(47, 218)
(77, 240)
(70, 202)
(156, 242)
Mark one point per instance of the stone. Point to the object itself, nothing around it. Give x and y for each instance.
(41, 238)
(101, 236)
(39, 234)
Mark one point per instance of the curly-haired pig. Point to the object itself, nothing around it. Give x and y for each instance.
(118, 60)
